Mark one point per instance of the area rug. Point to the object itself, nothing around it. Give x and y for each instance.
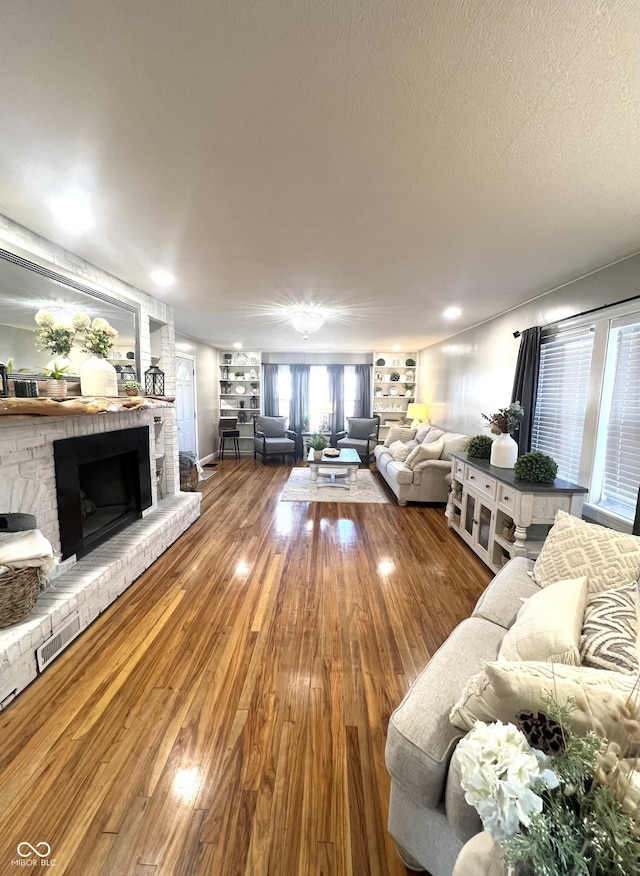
(366, 490)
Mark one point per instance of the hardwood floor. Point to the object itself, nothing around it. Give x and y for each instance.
(227, 715)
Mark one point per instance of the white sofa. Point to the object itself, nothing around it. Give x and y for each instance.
(426, 481)
(428, 815)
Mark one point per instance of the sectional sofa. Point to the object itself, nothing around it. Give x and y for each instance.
(538, 628)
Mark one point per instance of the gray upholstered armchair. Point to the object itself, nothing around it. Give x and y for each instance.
(272, 438)
(362, 436)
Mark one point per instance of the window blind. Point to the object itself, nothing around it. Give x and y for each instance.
(621, 475)
(561, 400)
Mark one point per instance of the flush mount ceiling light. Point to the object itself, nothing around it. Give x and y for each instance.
(306, 318)
(162, 278)
(72, 212)
(452, 312)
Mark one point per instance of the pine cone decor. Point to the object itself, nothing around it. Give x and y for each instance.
(542, 732)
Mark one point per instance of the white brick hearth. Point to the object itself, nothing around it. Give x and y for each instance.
(86, 588)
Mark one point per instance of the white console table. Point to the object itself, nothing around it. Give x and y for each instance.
(488, 496)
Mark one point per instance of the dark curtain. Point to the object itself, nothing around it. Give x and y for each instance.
(270, 390)
(363, 390)
(299, 404)
(525, 383)
(336, 397)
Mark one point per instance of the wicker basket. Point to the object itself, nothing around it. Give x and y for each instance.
(19, 589)
(189, 479)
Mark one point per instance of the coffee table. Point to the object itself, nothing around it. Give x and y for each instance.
(334, 471)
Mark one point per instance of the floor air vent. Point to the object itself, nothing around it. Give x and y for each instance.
(58, 642)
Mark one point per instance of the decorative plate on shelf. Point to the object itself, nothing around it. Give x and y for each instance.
(241, 390)
(410, 363)
(380, 363)
(242, 359)
(393, 390)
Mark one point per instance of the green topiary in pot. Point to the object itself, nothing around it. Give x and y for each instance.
(479, 447)
(536, 468)
(318, 441)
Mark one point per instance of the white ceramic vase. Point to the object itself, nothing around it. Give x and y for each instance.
(98, 378)
(504, 451)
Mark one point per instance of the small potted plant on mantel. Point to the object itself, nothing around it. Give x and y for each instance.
(132, 387)
(317, 443)
(56, 385)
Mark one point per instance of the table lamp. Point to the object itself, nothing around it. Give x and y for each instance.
(324, 409)
(417, 413)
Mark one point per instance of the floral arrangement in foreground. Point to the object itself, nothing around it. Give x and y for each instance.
(506, 420)
(558, 804)
(55, 336)
(99, 337)
(58, 337)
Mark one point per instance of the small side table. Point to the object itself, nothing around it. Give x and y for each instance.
(232, 434)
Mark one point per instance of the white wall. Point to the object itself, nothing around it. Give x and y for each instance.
(207, 371)
(473, 371)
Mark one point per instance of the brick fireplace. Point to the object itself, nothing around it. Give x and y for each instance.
(83, 589)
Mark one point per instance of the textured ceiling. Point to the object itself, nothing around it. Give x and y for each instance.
(386, 158)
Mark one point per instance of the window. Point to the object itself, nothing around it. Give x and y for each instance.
(319, 405)
(617, 465)
(284, 390)
(350, 391)
(561, 401)
(587, 412)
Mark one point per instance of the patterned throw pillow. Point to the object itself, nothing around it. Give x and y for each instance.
(574, 548)
(610, 630)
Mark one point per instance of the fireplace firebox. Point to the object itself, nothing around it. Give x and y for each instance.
(103, 483)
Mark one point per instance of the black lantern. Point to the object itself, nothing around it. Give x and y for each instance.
(154, 381)
(4, 383)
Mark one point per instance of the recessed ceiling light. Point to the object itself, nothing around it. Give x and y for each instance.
(396, 347)
(237, 345)
(452, 312)
(72, 212)
(162, 278)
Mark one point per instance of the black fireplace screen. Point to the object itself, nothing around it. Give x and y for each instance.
(103, 483)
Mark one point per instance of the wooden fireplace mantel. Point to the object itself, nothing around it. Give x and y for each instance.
(79, 406)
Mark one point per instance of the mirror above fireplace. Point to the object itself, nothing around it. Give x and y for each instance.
(26, 287)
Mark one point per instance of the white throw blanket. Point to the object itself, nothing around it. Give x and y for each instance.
(28, 548)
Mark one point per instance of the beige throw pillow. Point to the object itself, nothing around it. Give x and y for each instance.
(606, 702)
(573, 548)
(399, 433)
(399, 451)
(423, 452)
(548, 625)
(610, 630)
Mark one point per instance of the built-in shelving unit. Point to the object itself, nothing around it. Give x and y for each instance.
(240, 384)
(395, 376)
